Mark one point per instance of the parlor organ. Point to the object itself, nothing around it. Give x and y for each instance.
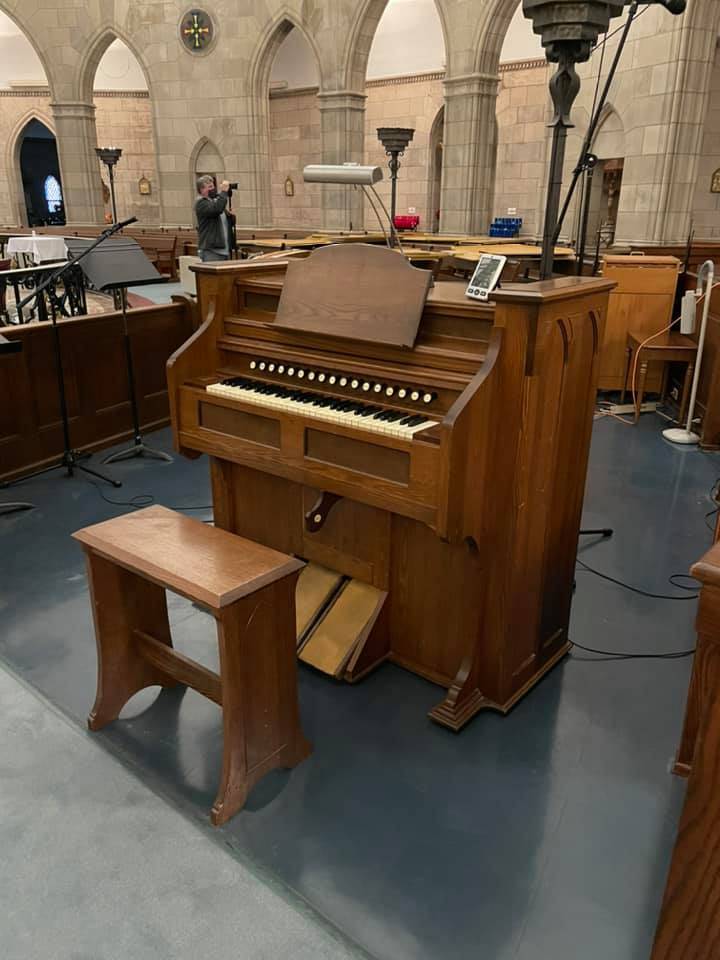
(426, 450)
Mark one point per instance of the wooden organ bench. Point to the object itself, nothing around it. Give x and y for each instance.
(250, 591)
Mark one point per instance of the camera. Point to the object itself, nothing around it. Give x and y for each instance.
(233, 186)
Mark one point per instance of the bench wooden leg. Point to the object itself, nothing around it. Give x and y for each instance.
(628, 364)
(258, 671)
(642, 380)
(123, 603)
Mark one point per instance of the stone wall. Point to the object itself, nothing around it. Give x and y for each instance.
(523, 113)
(294, 143)
(660, 96)
(416, 101)
(706, 205)
(122, 119)
(125, 120)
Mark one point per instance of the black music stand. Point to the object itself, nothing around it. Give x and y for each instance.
(71, 458)
(115, 266)
(11, 346)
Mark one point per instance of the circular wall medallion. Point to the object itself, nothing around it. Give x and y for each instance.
(196, 31)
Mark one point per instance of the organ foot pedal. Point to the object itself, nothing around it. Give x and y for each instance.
(339, 628)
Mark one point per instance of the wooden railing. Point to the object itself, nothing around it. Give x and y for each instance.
(96, 382)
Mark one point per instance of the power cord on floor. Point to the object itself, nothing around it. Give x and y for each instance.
(143, 500)
(677, 655)
(673, 579)
(643, 593)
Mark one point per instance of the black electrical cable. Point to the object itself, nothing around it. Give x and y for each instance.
(609, 36)
(643, 593)
(676, 655)
(143, 500)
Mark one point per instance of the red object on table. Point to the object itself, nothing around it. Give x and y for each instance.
(406, 221)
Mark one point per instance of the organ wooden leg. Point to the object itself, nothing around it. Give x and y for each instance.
(123, 602)
(258, 671)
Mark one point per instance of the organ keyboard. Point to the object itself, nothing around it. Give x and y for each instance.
(330, 408)
(426, 450)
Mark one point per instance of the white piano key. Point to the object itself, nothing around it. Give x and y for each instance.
(317, 412)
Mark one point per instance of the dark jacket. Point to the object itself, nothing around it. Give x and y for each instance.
(211, 235)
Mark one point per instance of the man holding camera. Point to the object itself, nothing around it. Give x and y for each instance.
(214, 226)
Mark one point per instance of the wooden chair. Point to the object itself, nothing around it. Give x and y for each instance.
(689, 924)
(250, 591)
(672, 347)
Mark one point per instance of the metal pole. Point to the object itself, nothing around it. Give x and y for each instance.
(582, 239)
(112, 193)
(394, 166)
(594, 120)
(564, 88)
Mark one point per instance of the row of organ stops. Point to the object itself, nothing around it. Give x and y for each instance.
(348, 382)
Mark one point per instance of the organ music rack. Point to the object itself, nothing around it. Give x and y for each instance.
(459, 538)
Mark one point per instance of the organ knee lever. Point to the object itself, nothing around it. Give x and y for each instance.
(374, 426)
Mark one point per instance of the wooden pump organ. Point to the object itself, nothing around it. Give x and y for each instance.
(424, 453)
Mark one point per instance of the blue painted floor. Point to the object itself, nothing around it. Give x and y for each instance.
(544, 835)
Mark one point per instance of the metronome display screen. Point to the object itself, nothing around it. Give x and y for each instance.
(486, 275)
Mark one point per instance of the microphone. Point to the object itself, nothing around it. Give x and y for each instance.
(126, 223)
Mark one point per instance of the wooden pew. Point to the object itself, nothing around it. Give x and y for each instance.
(689, 924)
(95, 379)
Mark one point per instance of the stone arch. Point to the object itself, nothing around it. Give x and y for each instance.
(493, 23)
(96, 47)
(609, 125)
(205, 157)
(360, 39)
(43, 56)
(260, 68)
(12, 160)
(205, 151)
(141, 160)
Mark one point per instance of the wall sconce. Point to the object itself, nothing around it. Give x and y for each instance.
(289, 187)
(144, 187)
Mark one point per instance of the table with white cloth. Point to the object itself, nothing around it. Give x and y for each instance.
(38, 249)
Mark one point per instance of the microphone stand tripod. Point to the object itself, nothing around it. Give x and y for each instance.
(139, 447)
(71, 458)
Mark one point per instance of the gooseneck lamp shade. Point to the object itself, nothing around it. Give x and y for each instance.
(347, 173)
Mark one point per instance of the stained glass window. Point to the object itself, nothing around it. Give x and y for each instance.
(53, 194)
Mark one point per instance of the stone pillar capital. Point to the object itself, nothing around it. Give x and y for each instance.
(75, 110)
(471, 84)
(341, 100)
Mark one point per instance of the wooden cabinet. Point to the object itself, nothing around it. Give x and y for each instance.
(642, 302)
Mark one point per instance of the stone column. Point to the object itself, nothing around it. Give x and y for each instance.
(468, 177)
(342, 138)
(79, 165)
(665, 97)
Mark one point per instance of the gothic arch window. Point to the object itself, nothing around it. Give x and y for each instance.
(53, 194)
